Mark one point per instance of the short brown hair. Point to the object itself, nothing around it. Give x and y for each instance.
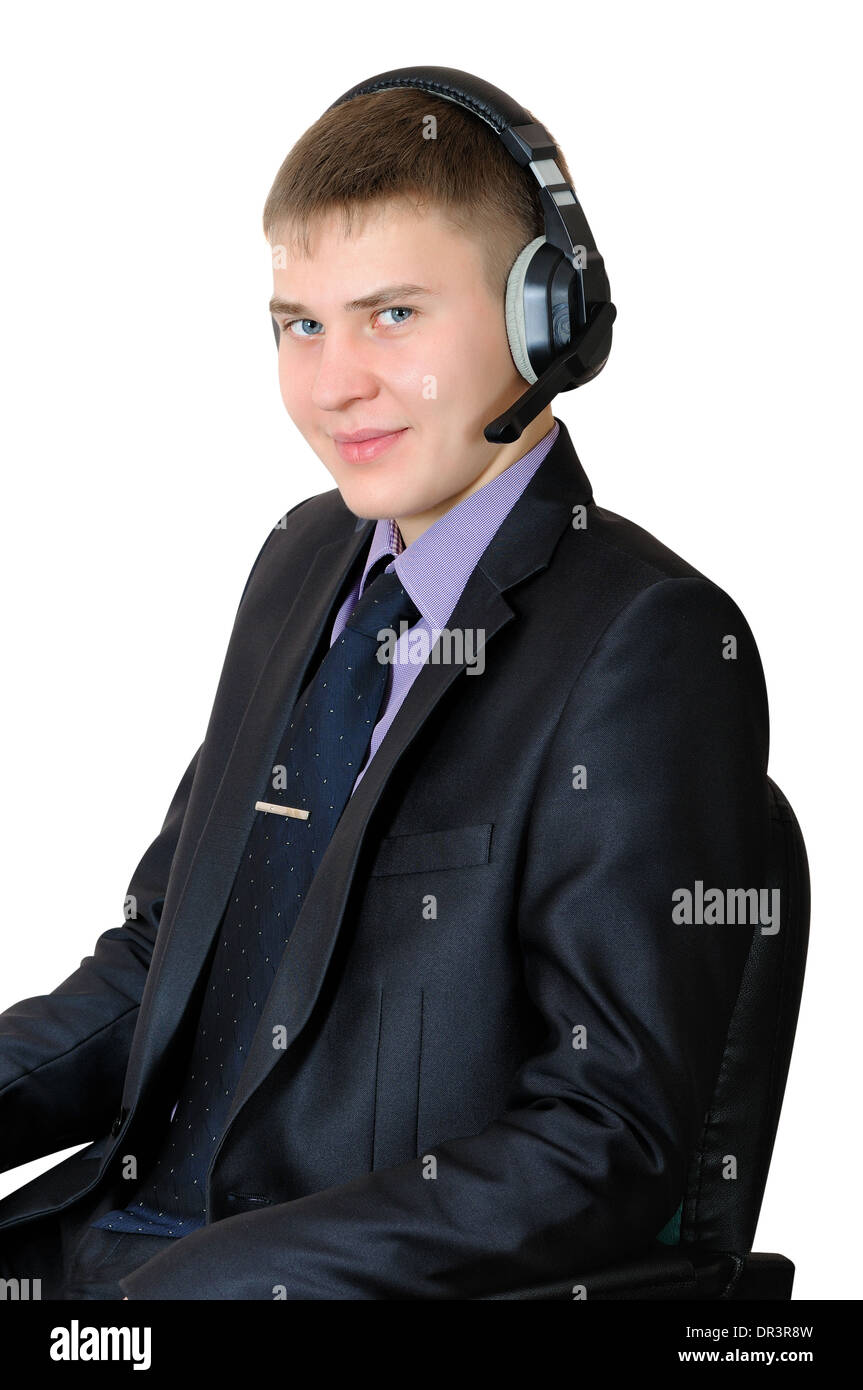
(372, 148)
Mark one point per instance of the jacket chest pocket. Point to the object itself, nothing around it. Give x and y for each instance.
(457, 847)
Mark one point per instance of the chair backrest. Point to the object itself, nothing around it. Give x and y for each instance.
(721, 1212)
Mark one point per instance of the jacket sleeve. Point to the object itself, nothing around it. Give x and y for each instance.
(586, 1163)
(63, 1055)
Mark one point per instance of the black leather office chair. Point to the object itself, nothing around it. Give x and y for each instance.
(711, 1257)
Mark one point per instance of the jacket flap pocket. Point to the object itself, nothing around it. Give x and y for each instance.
(453, 848)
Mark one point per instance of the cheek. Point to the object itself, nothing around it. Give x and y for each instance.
(284, 378)
(292, 384)
(469, 359)
(442, 367)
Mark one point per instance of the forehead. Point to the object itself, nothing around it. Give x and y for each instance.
(389, 240)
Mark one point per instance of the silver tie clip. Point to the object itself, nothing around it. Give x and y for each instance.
(282, 810)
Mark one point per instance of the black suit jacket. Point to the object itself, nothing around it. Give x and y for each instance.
(498, 1046)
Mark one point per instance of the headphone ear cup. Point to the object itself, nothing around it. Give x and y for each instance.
(515, 325)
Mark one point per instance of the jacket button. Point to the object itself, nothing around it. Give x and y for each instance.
(118, 1123)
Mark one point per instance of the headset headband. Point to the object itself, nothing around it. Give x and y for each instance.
(529, 144)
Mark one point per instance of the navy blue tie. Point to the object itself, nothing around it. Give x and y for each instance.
(320, 757)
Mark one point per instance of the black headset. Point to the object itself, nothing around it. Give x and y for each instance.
(558, 305)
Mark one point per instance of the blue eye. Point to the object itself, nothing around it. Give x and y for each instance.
(290, 326)
(401, 309)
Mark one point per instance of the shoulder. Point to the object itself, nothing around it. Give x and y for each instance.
(615, 576)
(295, 537)
(626, 554)
(317, 519)
(656, 623)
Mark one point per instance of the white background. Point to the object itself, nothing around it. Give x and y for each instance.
(147, 452)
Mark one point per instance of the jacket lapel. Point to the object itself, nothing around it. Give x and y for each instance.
(187, 932)
(522, 545)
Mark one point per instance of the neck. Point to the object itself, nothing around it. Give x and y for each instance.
(504, 456)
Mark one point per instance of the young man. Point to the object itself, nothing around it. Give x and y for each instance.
(404, 1008)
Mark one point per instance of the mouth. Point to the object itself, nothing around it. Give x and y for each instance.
(365, 445)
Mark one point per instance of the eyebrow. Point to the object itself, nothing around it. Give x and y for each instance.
(386, 295)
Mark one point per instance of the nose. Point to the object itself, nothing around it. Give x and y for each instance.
(344, 373)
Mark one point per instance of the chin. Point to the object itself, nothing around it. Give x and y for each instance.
(373, 497)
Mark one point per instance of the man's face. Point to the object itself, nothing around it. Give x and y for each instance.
(428, 367)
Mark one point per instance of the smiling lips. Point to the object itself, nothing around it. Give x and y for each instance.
(364, 445)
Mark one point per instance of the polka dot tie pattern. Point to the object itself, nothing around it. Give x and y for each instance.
(321, 754)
